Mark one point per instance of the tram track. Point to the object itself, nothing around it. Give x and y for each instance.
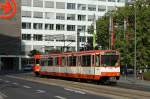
(91, 88)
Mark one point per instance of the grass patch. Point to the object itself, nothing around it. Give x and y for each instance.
(146, 75)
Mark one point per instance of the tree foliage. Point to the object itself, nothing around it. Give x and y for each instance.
(125, 38)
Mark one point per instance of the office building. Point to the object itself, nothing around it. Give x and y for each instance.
(53, 24)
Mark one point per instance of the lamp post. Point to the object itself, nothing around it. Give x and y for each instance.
(135, 38)
(133, 3)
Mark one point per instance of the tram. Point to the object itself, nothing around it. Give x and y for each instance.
(99, 65)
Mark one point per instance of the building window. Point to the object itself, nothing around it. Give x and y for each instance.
(89, 28)
(90, 17)
(26, 14)
(38, 26)
(122, 1)
(92, 7)
(60, 27)
(101, 8)
(49, 15)
(49, 26)
(49, 38)
(26, 48)
(71, 16)
(99, 17)
(26, 2)
(49, 4)
(110, 8)
(102, 0)
(38, 3)
(82, 39)
(81, 7)
(111, 0)
(26, 25)
(70, 27)
(81, 17)
(38, 14)
(37, 37)
(81, 28)
(59, 38)
(70, 38)
(49, 48)
(26, 36)
(71, 6)
(60, 5)
(60, 16)
(38, 47)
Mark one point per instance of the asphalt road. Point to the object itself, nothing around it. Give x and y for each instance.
(11, 88)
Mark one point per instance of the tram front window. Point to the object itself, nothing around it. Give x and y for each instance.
(37, 61)
(109, 60)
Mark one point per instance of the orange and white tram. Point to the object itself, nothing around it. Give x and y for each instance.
(94, 64)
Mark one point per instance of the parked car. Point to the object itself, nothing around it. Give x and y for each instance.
(28, 67)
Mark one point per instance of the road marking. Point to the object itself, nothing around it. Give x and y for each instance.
(59, 97)
(80, 92)
(15, 83)
(3, 95)
(76, 91)
(7, 81)
(26, 86)
(40, 91)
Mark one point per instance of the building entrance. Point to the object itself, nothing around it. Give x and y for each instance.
(9, 64)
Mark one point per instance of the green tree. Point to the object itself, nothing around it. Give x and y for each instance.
(124, 38)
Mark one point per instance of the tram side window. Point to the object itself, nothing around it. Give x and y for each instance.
(97, 60)
(86, 60)
(93, 60)
(72, 61)
(50, 62)
(79, 62)
(63, 61)
(55, 61)
(44, 62)
(59, 61)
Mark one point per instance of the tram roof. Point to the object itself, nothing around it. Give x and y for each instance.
(79, 53)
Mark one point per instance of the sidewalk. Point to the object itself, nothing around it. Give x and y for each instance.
(1, 96)
(131, 80)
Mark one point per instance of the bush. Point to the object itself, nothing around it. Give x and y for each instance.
(146, 75)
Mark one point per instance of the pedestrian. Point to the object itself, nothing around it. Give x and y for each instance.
(141, 74)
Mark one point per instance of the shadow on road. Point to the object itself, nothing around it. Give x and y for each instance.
(12, 72)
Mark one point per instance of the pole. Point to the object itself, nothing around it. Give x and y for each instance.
(135, 39)
(84, 41)
(78, 40)
(64, 43)
(112, 34)
(94, 33)
(110, 30)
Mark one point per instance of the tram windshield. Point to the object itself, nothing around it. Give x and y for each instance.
(109, 60)
(37, 61)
